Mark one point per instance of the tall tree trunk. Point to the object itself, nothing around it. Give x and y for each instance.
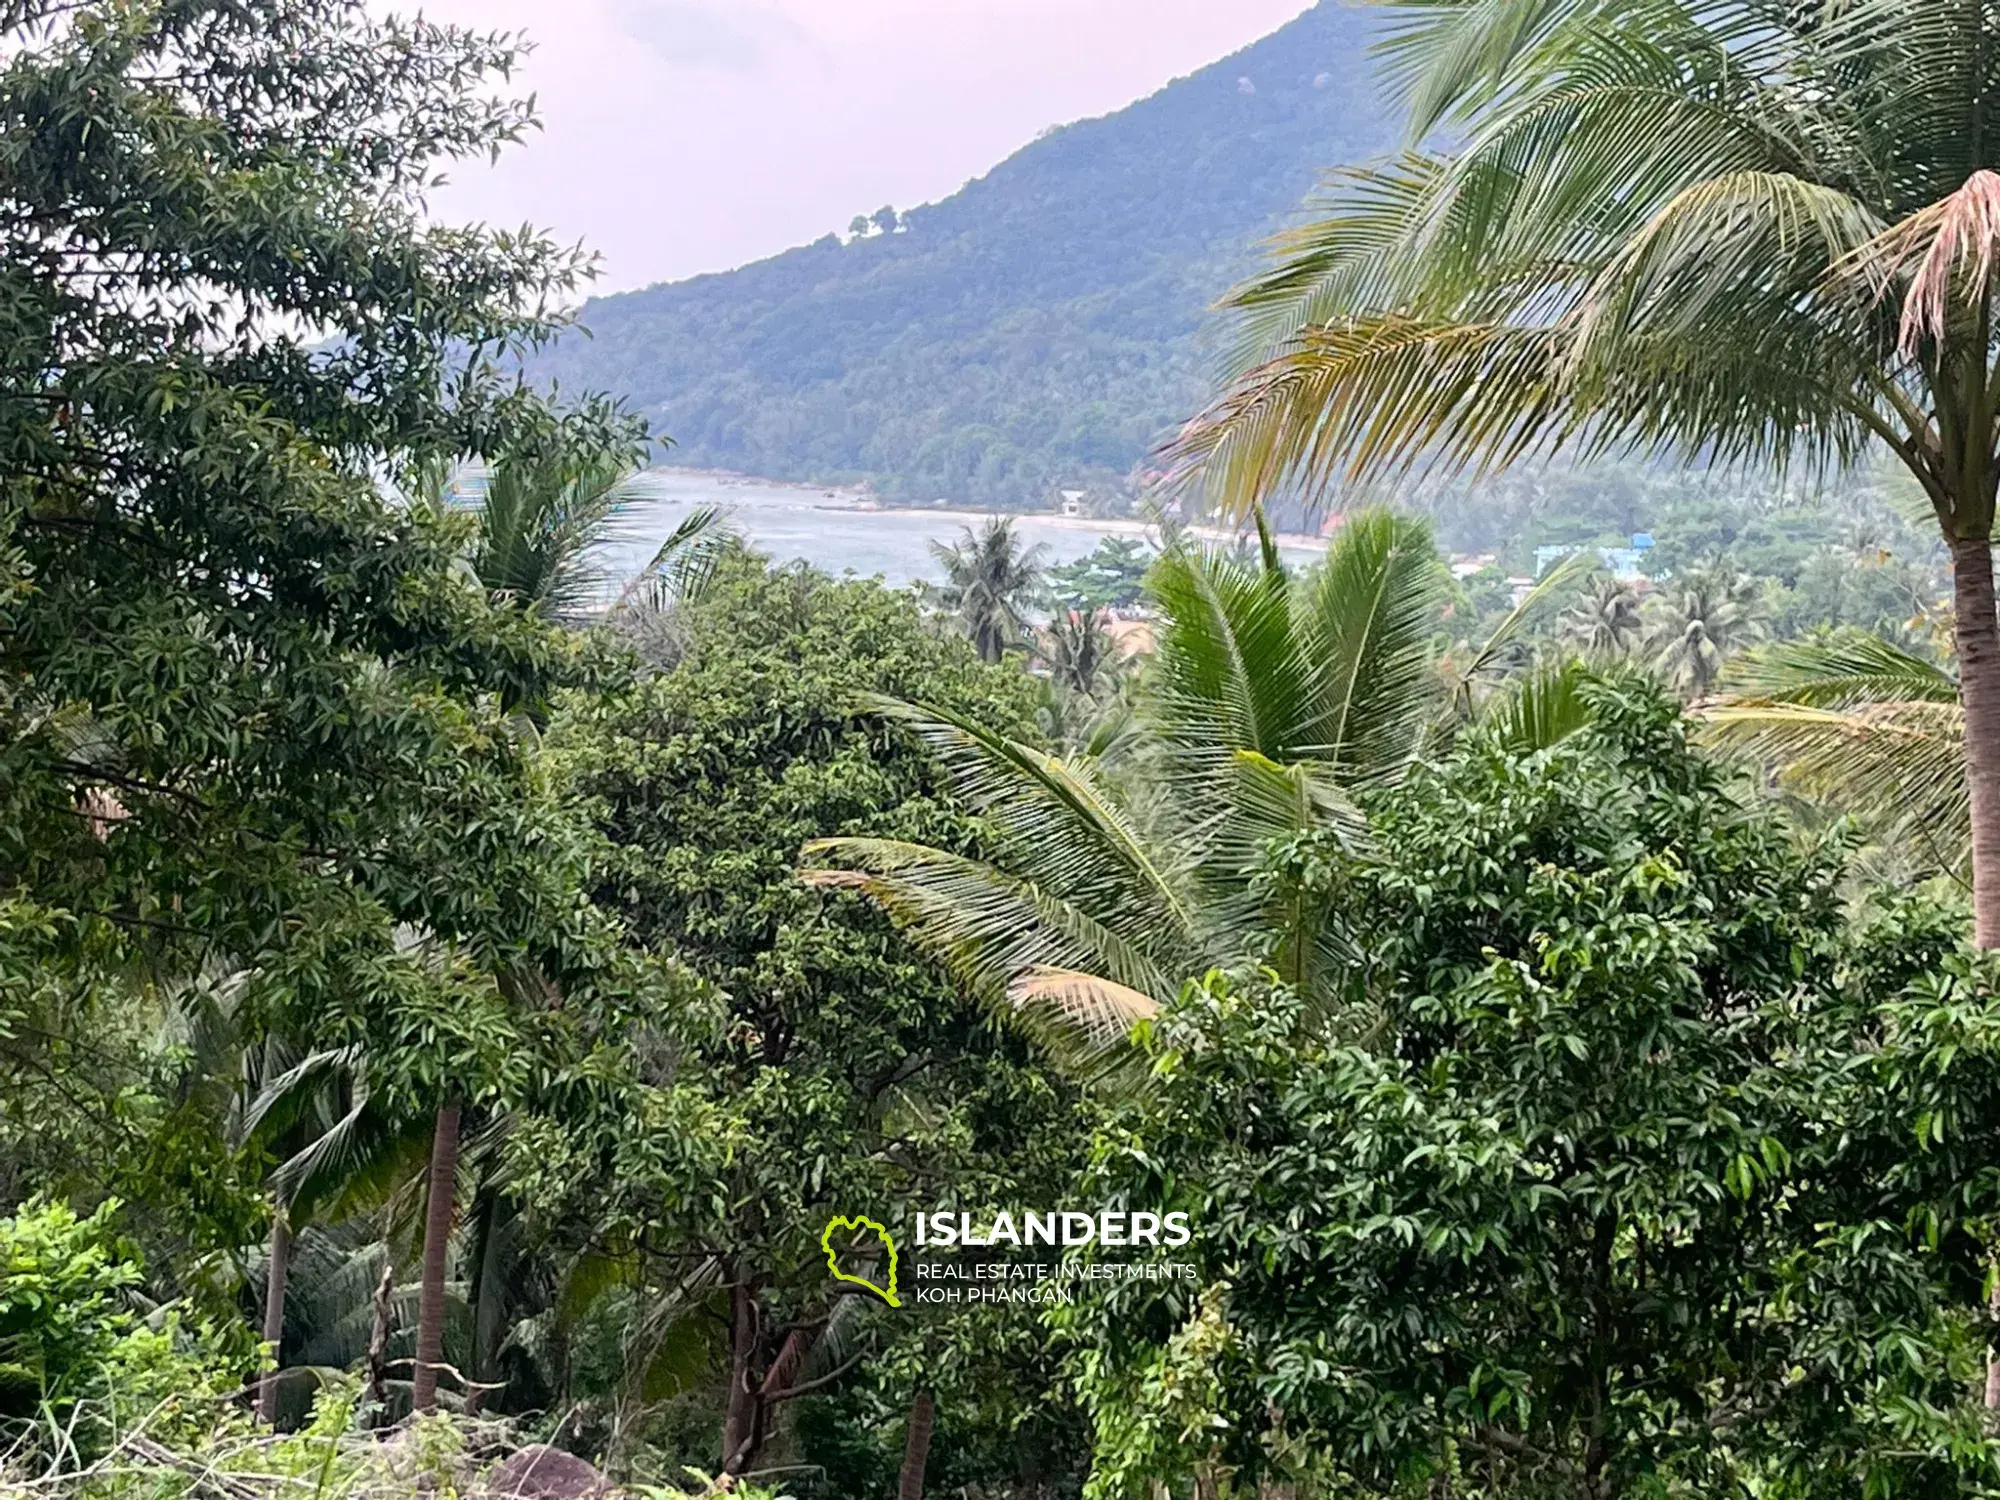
(274, 1309)
(740, 1419)
(437, 1250)
(917, 1447)
(1978, 635)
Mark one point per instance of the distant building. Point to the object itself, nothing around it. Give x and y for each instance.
(1464, 567)
(1134, 637)
(1072, 502)
(1626, 564)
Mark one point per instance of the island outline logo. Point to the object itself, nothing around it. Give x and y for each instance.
(858, 1223)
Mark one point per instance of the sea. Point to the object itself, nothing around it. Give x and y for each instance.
(838, 531)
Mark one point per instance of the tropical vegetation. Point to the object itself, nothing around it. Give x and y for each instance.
(473, 1023)
(1709, 232)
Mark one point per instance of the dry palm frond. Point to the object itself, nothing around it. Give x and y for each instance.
(1101, 1008)
(1941, 257)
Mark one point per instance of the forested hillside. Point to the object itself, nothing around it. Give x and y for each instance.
(1038, 329)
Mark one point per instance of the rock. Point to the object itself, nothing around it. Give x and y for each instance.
(544, 1473)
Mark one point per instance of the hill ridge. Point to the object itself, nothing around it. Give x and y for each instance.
(1038, 329)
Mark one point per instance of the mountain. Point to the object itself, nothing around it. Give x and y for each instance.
(1042, 328)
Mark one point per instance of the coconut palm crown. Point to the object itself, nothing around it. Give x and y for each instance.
(1113, 879)
(991, 579)
(1718, 230)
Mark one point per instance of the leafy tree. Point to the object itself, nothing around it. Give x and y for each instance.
(1696, 622)
(254, 714)
(991, 580)
(1765, 239)
(1602, 1149)
(1111, 577)
(848, 1075)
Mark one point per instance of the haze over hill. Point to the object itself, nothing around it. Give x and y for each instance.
(1040, 329)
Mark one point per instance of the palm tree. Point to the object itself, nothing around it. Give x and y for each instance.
(542, 520)
(1726, 233)
(1082, 655)
(340, 1150)
(1855, 721)
(1273, 697)
(1605, 623)
(991, 580)
(1697, 621)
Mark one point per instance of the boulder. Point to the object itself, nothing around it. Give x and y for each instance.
(543, 1473)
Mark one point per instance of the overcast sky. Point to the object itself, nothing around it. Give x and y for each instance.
(695, 135)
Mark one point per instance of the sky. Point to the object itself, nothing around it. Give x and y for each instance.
(682, 136)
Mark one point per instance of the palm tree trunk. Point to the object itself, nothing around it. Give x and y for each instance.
(1977, 629)
(274, 1309)
(437, 1248)
(917, 1447)
(1978, 634)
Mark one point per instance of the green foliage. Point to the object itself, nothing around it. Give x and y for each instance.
(1111, 577)
(62, 1308)
(1590, 1181)
(846, 1075)
(77, 1363)
(1270, 699)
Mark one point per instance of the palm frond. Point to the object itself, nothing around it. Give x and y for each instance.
(988, 926)
(1544, 708)
(1845, 668)
(1229, 675)
(1899, 767)
(1101, 1008)
(1523, 617)
(1378, 393)
(1368, 624)
(1940, 258)
(1859, 723)
(1065, 830)
(681, 566)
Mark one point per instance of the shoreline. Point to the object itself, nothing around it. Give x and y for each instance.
(1123, 526)
(859, 501)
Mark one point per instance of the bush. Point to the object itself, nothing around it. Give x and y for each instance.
(71, 1336)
